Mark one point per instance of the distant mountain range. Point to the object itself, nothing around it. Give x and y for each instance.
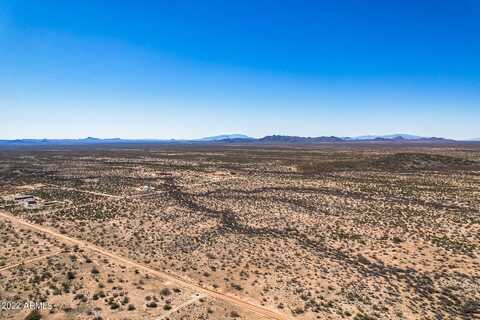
(394, 137)
(387, 137)
(232, 138)
(296, 139)
(329, 139)
(226, 137)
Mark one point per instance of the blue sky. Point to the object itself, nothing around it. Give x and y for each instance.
(154, 69)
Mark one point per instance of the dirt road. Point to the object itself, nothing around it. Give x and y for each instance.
(101, 194)
(30, 260)
(262, 312)
(194, 299)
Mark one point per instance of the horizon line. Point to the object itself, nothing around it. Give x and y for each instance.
(246, 136)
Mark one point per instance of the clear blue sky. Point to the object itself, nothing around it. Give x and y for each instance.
(185, 69)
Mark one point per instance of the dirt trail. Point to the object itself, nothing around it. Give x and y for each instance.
(194, 299)
(107, 195)
(101, 194)
(260, 311)
(31, 260)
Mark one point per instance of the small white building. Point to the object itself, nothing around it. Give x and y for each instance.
(28, 201)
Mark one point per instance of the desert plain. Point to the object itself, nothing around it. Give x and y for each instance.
(224, 231)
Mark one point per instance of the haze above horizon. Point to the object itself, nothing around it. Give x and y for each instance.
(158, 69)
